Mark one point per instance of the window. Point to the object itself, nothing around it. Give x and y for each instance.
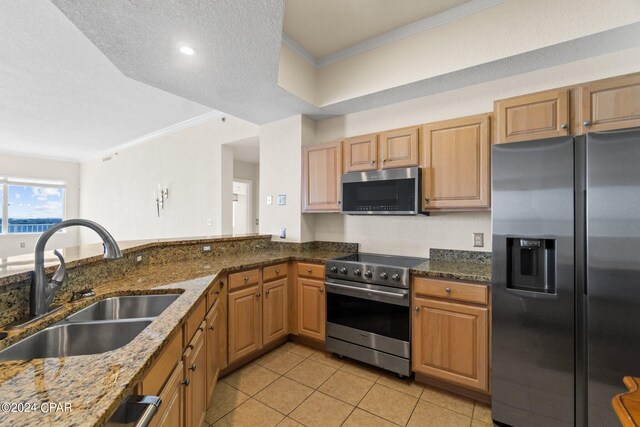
(30, 206)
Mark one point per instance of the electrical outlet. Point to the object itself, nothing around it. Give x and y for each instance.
(282, 200)
(206, 248)
(478, 240)
(23, 244)
(283, 233)
(138, 259)
(209, 221)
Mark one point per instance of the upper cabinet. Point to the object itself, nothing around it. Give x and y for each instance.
(538, 115)
(610, 104)
(399, 148)
(456, 172)
(321, 171)
(360, 153)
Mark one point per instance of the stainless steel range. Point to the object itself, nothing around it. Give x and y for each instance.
(368, 313)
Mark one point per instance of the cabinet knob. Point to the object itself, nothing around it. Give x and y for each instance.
(427, 200)
(246, 278)
(417, 308)
(266, 292)
(258, 295)
(586, 123)
(373, 162)
(447, 290)
(309, 270)
(384, 160)
(190, 346)
(201, 328)
(321, 290)
(277, 271)
(221, 284)
(563, 126)
(339, 202)
(193, 367)
(186, 382)
(212, 328)
(217, 293)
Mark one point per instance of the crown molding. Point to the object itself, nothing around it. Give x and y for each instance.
(394, 35)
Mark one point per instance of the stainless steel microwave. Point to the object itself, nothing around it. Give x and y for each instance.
(382, 192)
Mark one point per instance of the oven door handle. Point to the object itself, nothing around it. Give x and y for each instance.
(402, 295)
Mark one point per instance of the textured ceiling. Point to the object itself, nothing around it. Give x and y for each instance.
(327, 26)
(61, 97)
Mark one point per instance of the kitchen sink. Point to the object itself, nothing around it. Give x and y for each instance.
(124, 307)
(75, 339)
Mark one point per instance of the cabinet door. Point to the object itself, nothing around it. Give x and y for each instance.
(456, 159)
(450, 342)
(321, 170)
(610, 104)
(275, 313)
(311, 308)
(195, 371)
(212, 331)
(535, 116)
(245, 322)
(171, 411)
(360, 153)
(399, 148)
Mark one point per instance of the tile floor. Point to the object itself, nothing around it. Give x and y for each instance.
(295, 385)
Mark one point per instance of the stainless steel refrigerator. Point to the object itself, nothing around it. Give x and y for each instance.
(566, 278)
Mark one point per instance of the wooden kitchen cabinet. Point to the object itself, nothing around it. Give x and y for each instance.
(222, 322)
(610, 104)
(245, 322)
(311, 308)
(212, 332)
(360, 153)
(532, 116)
(275, 313)
(171, 410)
(456, 172)
(399, 148)
(450, 332)
(195, 366)
(321, 171)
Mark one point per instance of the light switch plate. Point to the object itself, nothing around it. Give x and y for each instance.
(478, 240)
(269, 200)
(206, 248)
(283, 233)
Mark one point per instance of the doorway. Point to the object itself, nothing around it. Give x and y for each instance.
(242, 206)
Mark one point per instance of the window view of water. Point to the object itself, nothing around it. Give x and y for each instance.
(31, 208)
(30, 225)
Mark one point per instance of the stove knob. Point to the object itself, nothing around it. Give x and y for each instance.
(368, 274)
(343, 270)
(396, 277)
(384, 276)
(357, 272)
(334, 269)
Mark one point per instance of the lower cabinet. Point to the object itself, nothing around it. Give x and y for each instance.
(245, 322)
(212, 332)
(171, 411)
(195, 364)
(275, 316)
(450, 339)
(311, 308)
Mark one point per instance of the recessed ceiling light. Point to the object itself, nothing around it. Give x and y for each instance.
(187, 50)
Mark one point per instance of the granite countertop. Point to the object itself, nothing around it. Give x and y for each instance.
(455, 269)
(95, 385)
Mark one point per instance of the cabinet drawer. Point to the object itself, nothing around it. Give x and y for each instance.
(449, 290)
(153, 380)
(193, 322)
(274, 272)
(315, 271)
(244, 278)
(212, 295)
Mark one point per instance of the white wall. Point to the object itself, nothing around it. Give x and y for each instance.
(416, 235)
(32, 167)
(250, 172)
(192, 163)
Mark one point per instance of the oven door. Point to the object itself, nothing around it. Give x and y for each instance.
(383, 192)
(368, 315)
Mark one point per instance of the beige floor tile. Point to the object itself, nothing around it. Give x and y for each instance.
(320, 410)
(346, 387)
(251, 378)
(360, 418)
(225, 399)
(427, 414)
(280, 361)
(389, 404)
(448, 400)
(250, 414)
(326, 358)
(310, 373)
(284, 395)
(299, 349)
(406, 385)
(482, 412)
(288, 422)
(362, 370)
(477, 423)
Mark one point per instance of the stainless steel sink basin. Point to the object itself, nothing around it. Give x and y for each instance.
(75, 339)
(124, 307)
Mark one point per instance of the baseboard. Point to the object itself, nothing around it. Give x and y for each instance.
(472, 394)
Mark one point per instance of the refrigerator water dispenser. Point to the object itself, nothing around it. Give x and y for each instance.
(531, 264)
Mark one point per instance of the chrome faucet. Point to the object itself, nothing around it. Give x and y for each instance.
(42, 290)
